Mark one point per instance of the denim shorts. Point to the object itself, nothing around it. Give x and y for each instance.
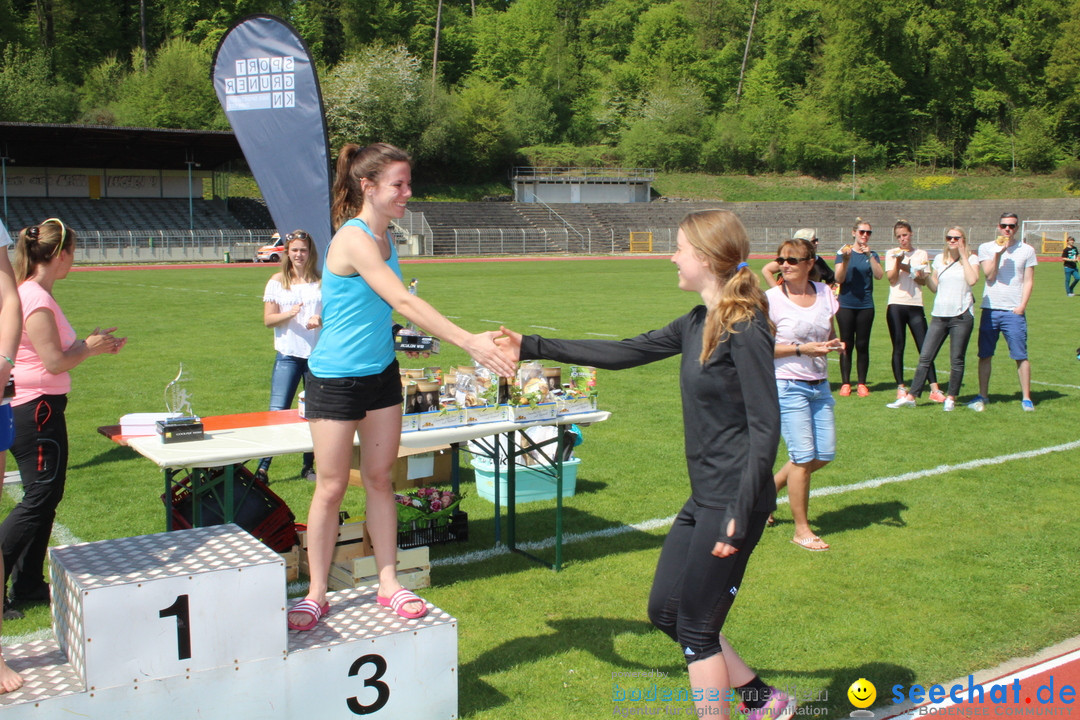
(994, 323)
(807, 422)
(350, 398)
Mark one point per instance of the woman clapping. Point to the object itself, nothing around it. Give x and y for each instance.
(803, 311)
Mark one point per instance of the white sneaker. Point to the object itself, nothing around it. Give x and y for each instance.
(901, 402)
(978, 404)
(949, 404)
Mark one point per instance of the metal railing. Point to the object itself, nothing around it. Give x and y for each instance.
(552, 213)
(417, 237)
(579, 174)
(135, 246)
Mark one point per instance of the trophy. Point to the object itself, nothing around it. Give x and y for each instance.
(177, 398)
(184, 425)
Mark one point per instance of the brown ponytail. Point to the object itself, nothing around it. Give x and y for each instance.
(353, 165)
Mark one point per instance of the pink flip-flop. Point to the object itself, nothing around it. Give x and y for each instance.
(399, 600)
(312, 610)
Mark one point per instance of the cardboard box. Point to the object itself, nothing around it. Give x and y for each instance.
(570, 406)
(487, 413)
(441, 419)
(171, 431)
(527, 413)
(415, 467)
(416, 343)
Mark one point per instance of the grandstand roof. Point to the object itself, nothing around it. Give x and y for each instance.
(100, 146)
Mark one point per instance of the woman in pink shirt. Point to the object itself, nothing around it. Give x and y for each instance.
(803, 312)
(48, 349)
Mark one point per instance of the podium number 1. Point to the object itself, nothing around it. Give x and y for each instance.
(179, 610)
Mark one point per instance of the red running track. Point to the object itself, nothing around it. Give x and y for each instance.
(1045, 689)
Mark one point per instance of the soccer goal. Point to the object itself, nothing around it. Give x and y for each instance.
(1048, 236)
(641, 242)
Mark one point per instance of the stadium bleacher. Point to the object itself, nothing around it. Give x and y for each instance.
(112, 214)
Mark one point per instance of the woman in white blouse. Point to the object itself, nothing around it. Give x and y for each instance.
(292, 305)
(955, 271)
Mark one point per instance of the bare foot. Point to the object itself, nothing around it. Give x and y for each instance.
(387, 591)
(811, 542)
(303, 618)
(9, 679)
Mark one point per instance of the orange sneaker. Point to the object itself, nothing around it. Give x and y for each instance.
(863, 390)
(845, 390)
(937, 396)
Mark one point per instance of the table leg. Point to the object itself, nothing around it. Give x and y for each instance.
(511, 490)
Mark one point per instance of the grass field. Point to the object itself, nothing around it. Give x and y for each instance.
(939, 573)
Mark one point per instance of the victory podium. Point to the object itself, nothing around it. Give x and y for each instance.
(192, 624)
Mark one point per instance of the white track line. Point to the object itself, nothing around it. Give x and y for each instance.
(658, 523)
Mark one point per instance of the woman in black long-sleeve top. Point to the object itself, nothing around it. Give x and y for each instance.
(731, 420)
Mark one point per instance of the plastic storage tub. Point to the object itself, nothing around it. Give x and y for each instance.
(533, 482)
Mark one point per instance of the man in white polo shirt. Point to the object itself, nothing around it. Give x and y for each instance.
(1009, 268)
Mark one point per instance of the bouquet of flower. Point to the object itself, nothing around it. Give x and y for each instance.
(426, 503)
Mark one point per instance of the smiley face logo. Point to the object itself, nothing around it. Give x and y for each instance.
(862, 693)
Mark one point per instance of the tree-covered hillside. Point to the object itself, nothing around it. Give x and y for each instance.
(471, 86)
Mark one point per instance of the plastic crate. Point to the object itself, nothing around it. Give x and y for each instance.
(531, 482)
(415, 533)
(256, 508)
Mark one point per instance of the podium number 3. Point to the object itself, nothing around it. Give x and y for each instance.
(179, 610)
(372, 680)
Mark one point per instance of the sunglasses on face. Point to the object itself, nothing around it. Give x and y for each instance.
(790, 260)
(953, 237)
(1007, 226)
(867, 232)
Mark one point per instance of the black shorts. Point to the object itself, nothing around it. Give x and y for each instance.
(351, 398)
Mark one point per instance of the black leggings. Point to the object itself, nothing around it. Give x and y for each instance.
(900, 318)
(693, 590)
(854, 326)
(41, 451)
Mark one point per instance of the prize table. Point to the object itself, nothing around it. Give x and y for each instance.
(234, 439)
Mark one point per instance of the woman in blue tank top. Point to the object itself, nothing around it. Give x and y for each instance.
(353, 384)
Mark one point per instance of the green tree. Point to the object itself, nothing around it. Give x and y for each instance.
(1036, 148)
(730, 146)
(479, 133)
(815, 144)
(531, 114)
(667, 130)
(28, 90)
(177, 70)
(988, 147)
(101, 88)
(374, 95)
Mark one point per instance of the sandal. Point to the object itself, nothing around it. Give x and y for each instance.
(399, 600)
(312, 610)
(812, 543)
